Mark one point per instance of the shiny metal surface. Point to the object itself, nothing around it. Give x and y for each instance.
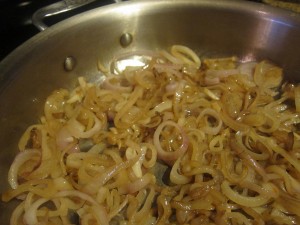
(28, 75)
(57, 8)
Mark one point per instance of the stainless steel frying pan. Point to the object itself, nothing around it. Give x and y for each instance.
(210, 27)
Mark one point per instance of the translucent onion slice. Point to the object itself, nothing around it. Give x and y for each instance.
(267, 75)
(17, 213)
(240, 199)
(114, 83)
(30, 216)
(247, 68)
(186, 55)
(75, 193)
(221, 73)
(137, 185)
(19, 160)
(211, 129)
(241, 150)
(77, 129)
(176, 177)
(64, 138)
(172, 155)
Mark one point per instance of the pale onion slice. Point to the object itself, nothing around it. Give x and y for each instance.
(247, 68)
(98, 210)
(172, 155)
(214, 129)
(267, 75)
(75, 193)
(64, 138)
(221, 73)
(238, 146)
(19, 160)
(137, 167)
(213, 77)
(17, 213)
(114, 83)
(77, 129)
(176, 177)
(161, 107)
(186, 55)
(30, 216)
(137, 185)
(169, 69)
(240, 199)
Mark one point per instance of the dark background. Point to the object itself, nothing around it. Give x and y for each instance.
(15, 20)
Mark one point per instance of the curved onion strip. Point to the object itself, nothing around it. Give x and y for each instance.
(228, 168)
(276, 148)
(98, 210)
(119, 209)
(111, 172)
(268, 190)
(171, 58)
(235, 216)
(247, 68)
(145, 79)
(64, 138)
(210, 81)
(149, 162)
(176, 177)
(211, 74)
(135, 95)
(108, 84)
(30, 216)
(75, 193)
(177, 97)
(292, 185)
(54, 103)
(77, 129)
(172, 69)
(185, 54)
(42, 187)
(197, 204)
(19, 160)
(170, 156)
(238, 146)
(205, 170)
(233, 124)
(267, 75)
(211, 129)
(46, 149)
(17, 213)
(271, 123)
(142, 213)
(166, 67)
(216, 144)
(100, 214)
(137, 167)
(26, 136)
(241, 199)
(165, 211)
(137, 185)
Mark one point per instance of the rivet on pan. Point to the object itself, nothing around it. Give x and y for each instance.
(69, 63)
(126, 39)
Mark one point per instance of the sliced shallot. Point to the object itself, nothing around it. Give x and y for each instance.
(19, 160)
(171, 155)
